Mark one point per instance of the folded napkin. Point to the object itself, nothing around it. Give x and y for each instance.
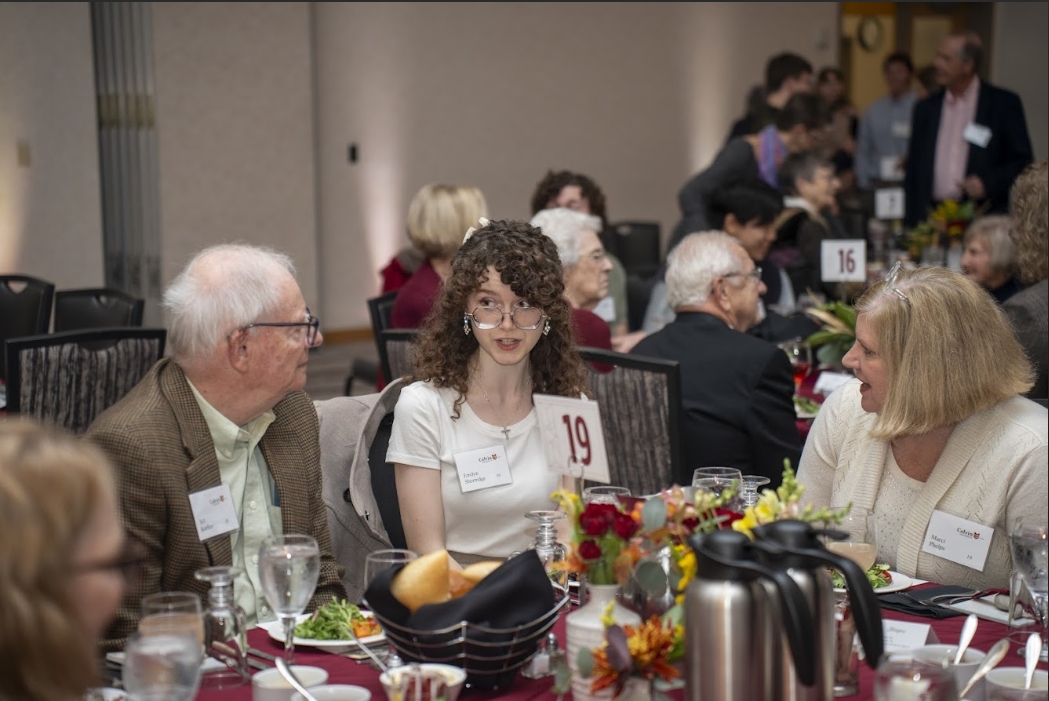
(911, 602)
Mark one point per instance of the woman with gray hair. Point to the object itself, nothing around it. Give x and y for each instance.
(990, 256)
(586, 267)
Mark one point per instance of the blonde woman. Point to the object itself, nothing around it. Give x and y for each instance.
(933, 428)
(989, 257)
(437, 217)
(63, 561)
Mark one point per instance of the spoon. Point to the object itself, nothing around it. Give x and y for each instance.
(285, 671)
(968, 631)
(994, 656)
(1031, 654)
(375, 658)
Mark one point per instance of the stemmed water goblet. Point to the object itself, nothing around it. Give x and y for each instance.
(171, 612)
(749, 495)
(861, 545)
(289, 566)
(604, 494)
(1029, 541)
(225, 629)
(162, 666)
(551, 553)
(800, 354)
(716, 480)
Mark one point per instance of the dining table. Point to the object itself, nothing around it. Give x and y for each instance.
(342, 670)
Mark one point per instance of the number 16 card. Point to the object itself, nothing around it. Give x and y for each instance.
(573, 440)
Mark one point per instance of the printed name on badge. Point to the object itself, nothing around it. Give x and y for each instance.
(958, 540)
(977, 134)
(482, 468)
(213, 512)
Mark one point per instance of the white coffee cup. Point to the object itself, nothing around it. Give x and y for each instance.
(269, 685)
(943, 656)
(1007, 684)
(336, 692)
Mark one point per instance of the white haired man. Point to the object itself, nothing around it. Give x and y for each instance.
(217, 448)
(586, 267)
(737, 390)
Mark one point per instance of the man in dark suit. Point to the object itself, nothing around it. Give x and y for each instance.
(737, 390)
(218, 447)
(968, 141)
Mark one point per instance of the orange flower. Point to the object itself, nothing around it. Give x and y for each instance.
(649, 644)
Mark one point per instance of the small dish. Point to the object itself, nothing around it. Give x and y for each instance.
(336, 692)
(454, 679)
(899, 583)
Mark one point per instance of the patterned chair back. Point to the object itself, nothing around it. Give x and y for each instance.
(640, 401)
(25, 308)
(68, 379)
(395, 349)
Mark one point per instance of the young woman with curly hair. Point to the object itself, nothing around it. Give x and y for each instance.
(500, 331)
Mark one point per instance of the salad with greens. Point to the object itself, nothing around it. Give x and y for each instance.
(804, 405)
(878, 576)
(333, 621)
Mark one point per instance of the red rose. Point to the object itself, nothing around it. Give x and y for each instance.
(690, 523)
(731, 517)
(589, 550)
(624, 526)
(596, 519)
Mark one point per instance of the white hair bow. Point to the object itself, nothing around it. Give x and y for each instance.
(470, 232)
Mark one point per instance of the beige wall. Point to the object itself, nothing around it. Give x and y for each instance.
(50, 210)
(1020, 62)
(235, 130)
(866, 82)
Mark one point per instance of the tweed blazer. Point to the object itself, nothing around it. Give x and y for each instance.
(1028, 310)
(162, 448)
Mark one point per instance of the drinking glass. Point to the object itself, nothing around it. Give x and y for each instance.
(376, 563)
(289, 566)
(716, 480)
(163, 666)
(1021, 605)
(800, 354)
(225, 629)
(861, 545)
(749, 494)
(172, 612)
(552, 554)
(1029, 540)
(900, 679)
(604, 494)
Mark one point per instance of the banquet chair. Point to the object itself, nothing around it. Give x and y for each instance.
(96, 308)
(394, 349)
(25, 312)
(636, 244)
(379, 310)
(640, 402)
(69, 378)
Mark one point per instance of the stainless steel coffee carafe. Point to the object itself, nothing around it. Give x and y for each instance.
(735, 610)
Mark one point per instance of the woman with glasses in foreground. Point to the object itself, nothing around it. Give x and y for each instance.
(62, 561)
(933, 436)
(465, 428)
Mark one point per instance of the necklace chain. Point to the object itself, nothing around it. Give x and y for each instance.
(506, 427)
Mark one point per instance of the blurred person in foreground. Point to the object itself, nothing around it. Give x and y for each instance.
(736, 390)
(586, 269)
(223, 419)
(501, 331)
(63, 561)
(932, 427)
(885, 128)
(437, 217)
(989, 256)
(1028, 310)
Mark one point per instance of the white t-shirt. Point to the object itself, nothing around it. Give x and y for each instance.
(488, 522)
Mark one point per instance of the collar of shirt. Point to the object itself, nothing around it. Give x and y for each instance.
(225, 434)
(966, 97)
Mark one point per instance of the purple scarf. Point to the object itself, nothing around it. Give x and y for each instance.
(771, 152)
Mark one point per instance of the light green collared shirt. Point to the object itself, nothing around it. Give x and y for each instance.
(243, 469)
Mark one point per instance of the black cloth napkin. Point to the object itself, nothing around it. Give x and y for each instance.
(515, 594)
(909, 602)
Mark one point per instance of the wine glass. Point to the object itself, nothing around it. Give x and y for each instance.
(172, 612)
(225, 629)
(902, 679)
(604, 494)
(552, 554)
(749, 495)
(800, 354)
(163, 666)
(716, 480)
(289, 566)
(861, 545)
(1021, 605)
(376, 563)
(1029, 540)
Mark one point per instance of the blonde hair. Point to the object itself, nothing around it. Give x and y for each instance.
(50, 485)
(1029, 207)
(439, 216)
(994, 233)
(948, 350)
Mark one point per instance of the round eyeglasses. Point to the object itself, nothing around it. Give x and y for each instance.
(524, 318)
(754, 273)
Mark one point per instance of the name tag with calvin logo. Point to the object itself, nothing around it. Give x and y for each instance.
(213, 512)
(482, 468)
(958, 540)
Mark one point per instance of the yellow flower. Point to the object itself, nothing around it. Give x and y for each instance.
(607, 619)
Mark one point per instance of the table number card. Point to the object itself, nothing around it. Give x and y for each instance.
(843, 260)
(888, 203)
(901, 636)
(573, 439)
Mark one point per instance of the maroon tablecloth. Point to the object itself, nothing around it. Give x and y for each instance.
(345, 671)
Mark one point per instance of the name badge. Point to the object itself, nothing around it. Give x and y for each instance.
(958, 540)
(977, 134)
(213, 512)
(901, 130)
(482, 468)
(889, 168)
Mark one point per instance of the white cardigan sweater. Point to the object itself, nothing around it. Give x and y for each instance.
(994, 468)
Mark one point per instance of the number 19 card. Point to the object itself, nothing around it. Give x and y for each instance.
(573, 440)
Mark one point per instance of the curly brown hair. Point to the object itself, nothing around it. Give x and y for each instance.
(528, 263)
(1029, 207)
(553, 182)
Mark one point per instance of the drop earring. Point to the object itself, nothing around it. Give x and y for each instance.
(546, 329)
(466, 325)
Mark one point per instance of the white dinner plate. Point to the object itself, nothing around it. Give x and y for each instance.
(106, 694)
(276, 631)
(899, 583)
(804, 414)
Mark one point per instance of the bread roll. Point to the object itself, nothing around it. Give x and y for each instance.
(458, 584)
(479, 570)
(423, 581)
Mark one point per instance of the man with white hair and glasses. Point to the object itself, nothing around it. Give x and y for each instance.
(736, 390)
(217, 448)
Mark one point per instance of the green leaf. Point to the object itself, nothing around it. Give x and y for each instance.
(846, 313)
(675, 615)
(651, 577)
(654, 514)
(585, 662)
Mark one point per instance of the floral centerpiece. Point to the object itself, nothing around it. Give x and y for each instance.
(945, 225)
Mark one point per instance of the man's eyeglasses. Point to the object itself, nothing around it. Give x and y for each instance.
(129, 562)
(524, 318)
(755, 274)
(312, 323)
(892, 278)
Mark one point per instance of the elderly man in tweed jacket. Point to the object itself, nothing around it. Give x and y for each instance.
(225, 421)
